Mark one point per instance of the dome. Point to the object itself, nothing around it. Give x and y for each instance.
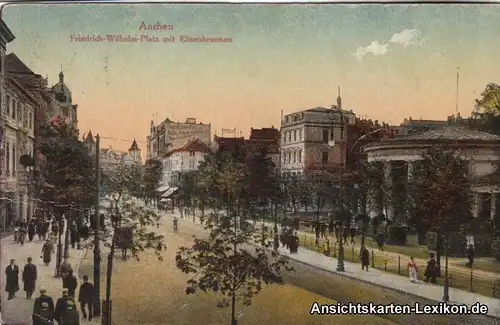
(61, 87)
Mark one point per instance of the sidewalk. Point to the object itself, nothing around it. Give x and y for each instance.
(388, 280)
(394, 256)
(19, 310)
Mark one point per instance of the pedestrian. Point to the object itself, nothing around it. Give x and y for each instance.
(85, 232)
(353, 235)
(17, 227)
(380, 239)
(65, 268)
(29, 278)
(47, 250)
(413, 269)
(86, 297)
(346, 234)
(70, 316)
(22, 234)
(31, 230)
(431, 270)
(62, 306)
(470, 255)
(43, 309)
(70, 282)
(364, 256)
(73, 232)
(12, 279)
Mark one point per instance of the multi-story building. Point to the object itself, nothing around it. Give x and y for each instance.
(305, 137)
(183, 160)
(264, 141)
(28, 103)
(169, 135)
(6, 36)
(110, 159)
(19, 141)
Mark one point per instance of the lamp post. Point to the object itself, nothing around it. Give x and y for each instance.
(446, 285)
(97, 248)
(331, 143)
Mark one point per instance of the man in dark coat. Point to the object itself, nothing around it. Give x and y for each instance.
(73, 235)
(431, 270)
(86, 297)
(70, 283)
(364, 256)
(29, 278)
(12, 279)
(43, 309)
(70, 315)
(62, 306)
(31, 230)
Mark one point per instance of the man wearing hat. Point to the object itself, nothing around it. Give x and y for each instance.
(12, 279)
(62, 306)
(43, 309)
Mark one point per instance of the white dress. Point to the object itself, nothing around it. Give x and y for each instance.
(412, 269)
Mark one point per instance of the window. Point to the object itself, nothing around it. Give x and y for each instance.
(191, 153)
(7, 158)
(13, 108)
(294, 135)
(324, 159)
(30, 120)
(326, 135)
(289, 159)
(300, 155)
(294, 156)
(19, 112)
(300, 135)
(284, 158)
(8, 105)
(13, 160)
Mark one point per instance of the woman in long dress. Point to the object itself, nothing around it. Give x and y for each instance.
(47, 250)
(413, 269)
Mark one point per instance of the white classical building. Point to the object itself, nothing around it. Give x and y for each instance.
(481, 149)
(181, 160)
(305, 135)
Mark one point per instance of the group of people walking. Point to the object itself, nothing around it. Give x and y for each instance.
(65, 311)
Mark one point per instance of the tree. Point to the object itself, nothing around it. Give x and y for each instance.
(490, 99)
(320, 186)
(228, 261)
(65, 177)
(261, 182)
(442, 194)
(153, 174)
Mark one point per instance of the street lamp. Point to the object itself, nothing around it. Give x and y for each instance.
(331, 143)
(97, 219)
(446, 285)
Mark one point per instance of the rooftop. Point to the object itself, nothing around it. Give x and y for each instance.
(451, 133)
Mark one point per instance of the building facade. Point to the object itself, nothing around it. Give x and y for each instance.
(305, 137)
(181, 160)
(169, 135)
(19, 141)
(264, 141)
(399, 154)
(6, 36)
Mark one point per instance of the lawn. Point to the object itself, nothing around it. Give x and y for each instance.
(398, 266)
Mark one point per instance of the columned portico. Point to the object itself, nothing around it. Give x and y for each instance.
(481, 149)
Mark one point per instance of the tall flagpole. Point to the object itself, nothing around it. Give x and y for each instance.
(458, 82)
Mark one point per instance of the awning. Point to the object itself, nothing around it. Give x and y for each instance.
(169, 192)
(162, 188)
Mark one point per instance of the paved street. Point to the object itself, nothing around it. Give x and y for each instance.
(18, 310)
(135, 283)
